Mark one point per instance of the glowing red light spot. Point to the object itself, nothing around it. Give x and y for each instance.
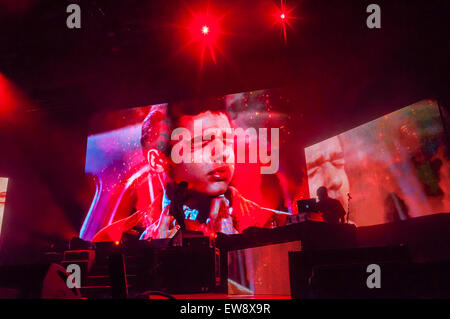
(10, 97)
(283, 16)
(116, 242)
(204, 33)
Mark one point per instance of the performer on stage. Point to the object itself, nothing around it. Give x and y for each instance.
(325, 165)
(332, 209)
(196, 195)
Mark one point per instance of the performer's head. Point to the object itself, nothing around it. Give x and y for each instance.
(322, 193)
(325, 165)
(213, 174)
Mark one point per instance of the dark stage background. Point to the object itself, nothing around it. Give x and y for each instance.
(53, 79)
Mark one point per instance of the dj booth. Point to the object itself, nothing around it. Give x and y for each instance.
(306, 259)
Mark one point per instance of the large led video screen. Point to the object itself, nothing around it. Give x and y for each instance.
(393, 168)
(3, 189)
(224, 149)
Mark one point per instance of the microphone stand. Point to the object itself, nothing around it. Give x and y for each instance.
(348, 205)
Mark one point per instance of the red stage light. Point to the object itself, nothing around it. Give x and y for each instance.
(203, 32)
(282, 15)
(116, 243)
(10, 96)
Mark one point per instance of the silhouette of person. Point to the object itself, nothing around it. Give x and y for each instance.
(325, 165)
(331, 208)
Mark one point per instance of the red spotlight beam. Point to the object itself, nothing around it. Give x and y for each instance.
(283, 16)
(203, 30)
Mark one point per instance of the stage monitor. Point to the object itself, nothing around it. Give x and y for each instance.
(136, 158)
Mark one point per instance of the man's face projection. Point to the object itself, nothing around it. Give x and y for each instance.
(325, 166)
(213, 174)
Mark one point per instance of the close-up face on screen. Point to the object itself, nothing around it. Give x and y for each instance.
(228, 140)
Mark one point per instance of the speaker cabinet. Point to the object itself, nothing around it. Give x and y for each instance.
(302, 263)
(178, 270)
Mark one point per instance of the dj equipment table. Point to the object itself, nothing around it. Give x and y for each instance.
(312, 234)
